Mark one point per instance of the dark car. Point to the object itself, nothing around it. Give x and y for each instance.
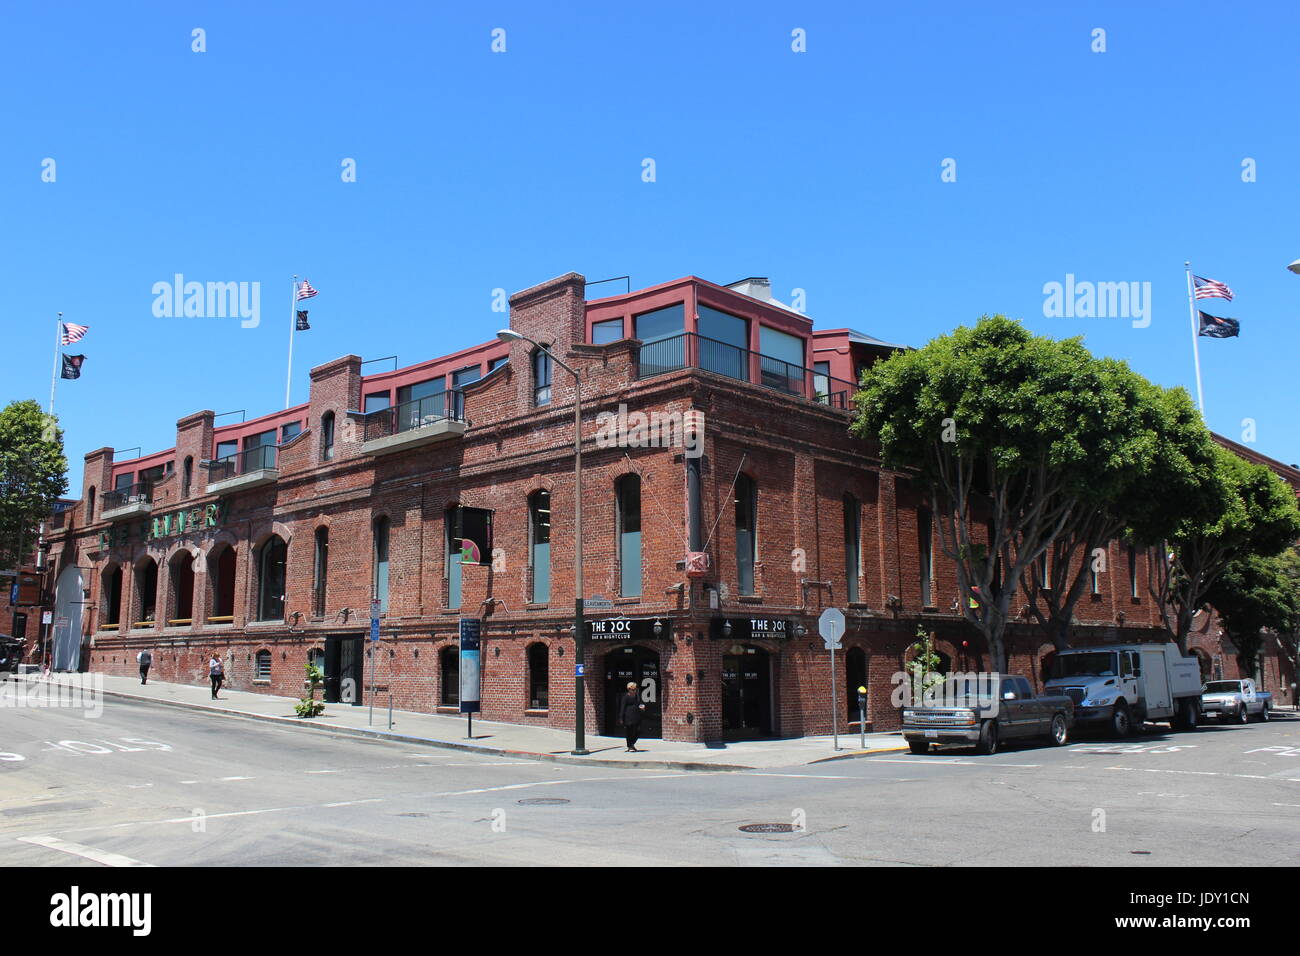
(1016, 713)
(11, 653)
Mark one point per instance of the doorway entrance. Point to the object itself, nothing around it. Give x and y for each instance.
(625, 665)
(746, 693)
(343, 669)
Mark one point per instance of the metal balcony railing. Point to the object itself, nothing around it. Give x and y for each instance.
(690, 350)
(261, 458)
(445, 406)
(139, 493)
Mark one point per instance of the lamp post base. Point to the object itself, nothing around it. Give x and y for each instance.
(580, 753)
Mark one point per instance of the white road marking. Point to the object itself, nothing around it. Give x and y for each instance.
(236, 778)
(327, 771)
(349, 803)
(188, 781)
(810, 776)
(948, 762)
(85, 852)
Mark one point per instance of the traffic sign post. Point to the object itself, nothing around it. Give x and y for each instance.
(831, 626)
(862, 718)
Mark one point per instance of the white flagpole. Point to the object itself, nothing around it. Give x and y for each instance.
(54, 372)
(1196, 347)
(293, 322)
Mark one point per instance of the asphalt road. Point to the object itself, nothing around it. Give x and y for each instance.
(145, 784)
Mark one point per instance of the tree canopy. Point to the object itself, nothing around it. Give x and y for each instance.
(33, 474)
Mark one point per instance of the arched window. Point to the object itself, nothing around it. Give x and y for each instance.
(320, 572)
(187, 475)
(327, 437)
(180, 571)
(271, 558)
(628, 495)
(113, 596)
(379, 577)
(852, 546)
(746, 537)
(146, 584)
(90, 505)
(262, 666)
(538, 676)
(541, 378)
(316, 657)
(221, 571)
(539, 541)
(449, 667)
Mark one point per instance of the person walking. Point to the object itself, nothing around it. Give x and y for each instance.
(630, 713)
(216, 673)
(145, 660)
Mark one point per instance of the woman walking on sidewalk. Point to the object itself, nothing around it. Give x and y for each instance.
(630, 708)
(216, 674)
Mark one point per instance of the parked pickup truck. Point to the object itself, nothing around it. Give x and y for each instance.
(1236, 700)
(986, 720)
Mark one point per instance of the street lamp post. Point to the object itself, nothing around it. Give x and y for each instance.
(579, 625)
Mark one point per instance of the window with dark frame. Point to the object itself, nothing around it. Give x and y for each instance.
(271, 558)
(852, 547)
(327, 436)
(449, 668)
(539, 534)
(925, 553)
(262, 666)
(628, 503)
(541, 378)
(379, 579)
(746, 502)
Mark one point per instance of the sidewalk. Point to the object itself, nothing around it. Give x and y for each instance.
(491, 737)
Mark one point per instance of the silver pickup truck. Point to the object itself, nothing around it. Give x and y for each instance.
(1235, 700)
(1007, 709)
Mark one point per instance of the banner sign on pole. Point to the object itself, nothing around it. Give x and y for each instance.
(470, 634)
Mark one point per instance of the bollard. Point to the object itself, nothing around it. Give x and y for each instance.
(390, 711)
(862, 718)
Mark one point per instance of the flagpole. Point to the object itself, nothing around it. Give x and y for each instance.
(1196, 347)
(54, 372)
(293, 301)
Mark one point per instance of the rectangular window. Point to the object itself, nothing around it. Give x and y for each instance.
(498, 362)
(852, 546)
(125, 480)
(629, 535)
(290, 430)
(150, 475)
(422, 403)
(602, 333)
(453, 559)
(381, 564)
(925, 550)
(320, 573)
(377, 401)
(260, 440)
(724, 343)
(782, 360)
(1132, 571)
(262, 666)
(540, 519)
(459, 380)
(663, 338)
(227, 448)
(746, 502)
(822, 382)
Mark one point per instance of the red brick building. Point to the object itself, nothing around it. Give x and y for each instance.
(265, 541)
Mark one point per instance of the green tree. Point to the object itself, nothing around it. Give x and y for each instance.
(1153, 479)
(1005, 432)
(1257, 593)
(33, 473)
(1256, 514)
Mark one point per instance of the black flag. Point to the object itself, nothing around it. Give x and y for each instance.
(1217, 328)
(72, 366)
(302, 320)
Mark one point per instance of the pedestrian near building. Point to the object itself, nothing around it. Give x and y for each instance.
(145, 660)
(630, 713)
(216, 673)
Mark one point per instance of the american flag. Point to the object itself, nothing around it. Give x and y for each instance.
(1209, 289)
(305, 291)
(73, 333)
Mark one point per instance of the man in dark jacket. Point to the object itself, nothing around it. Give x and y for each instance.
(145, 659)
(629, 713)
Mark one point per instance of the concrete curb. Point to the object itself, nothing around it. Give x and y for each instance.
(325, 727)
(859, 753)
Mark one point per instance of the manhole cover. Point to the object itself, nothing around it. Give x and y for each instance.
(767, 828)
(543, 801)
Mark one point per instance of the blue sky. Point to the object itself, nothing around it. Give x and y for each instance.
(478, 170)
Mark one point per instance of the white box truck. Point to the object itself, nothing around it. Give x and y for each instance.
(1124, 685)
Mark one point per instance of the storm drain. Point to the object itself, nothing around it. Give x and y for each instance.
(767, 828)
(543, 802)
